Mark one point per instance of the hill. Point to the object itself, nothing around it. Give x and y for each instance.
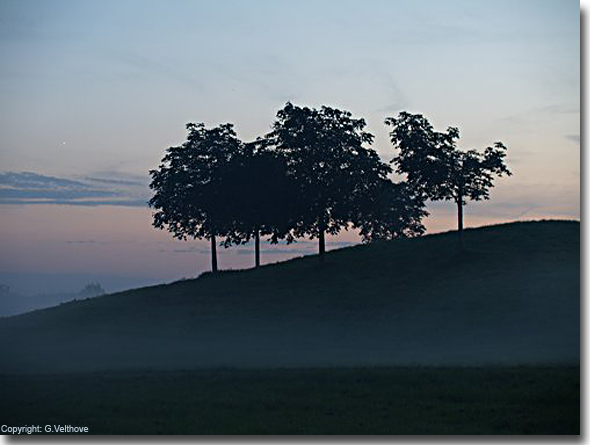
(513, 297)
(14, 304)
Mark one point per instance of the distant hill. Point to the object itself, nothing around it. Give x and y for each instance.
(12, 303)
(512, 297)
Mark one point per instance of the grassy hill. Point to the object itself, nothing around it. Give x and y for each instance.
(512, 298)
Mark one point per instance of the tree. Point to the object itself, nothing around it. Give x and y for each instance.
(437, 170)
(263, 197)
(392, 211)
(92, 289)
(327, 157)
(189, 190)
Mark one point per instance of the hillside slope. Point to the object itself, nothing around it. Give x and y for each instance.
(513, 297)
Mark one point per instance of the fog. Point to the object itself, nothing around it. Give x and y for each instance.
(425, 340)
(182, 326)
(512, 298)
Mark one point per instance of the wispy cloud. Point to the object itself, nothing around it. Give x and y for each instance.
(36, 181)
(86, 242)
(146, 66)
(193, 249)
(561, 108)
(301, 247)
(276, 251)
(115, 181)
(34, 188)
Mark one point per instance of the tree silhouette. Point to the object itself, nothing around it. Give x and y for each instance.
(92, 289)
(326, 156)
(190, 193)
(392, 211)
(262, 196)
(437, 170)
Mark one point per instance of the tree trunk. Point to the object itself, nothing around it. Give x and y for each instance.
(460, 216)
(460, 221)
(213, 254)
(257, 248)
(322, 244)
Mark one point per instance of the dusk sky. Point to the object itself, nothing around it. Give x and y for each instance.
(93, 92)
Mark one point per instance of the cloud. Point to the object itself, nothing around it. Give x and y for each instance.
(277, 251)
(192, 250)
(86, 241)
(530, 119)
(35, 188)
(116, 181)
(146, 66)
(561, 108)
(300, 247)
(342, 243)
(31, 180)
(573, 137)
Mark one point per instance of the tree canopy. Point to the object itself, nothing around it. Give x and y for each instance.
(262, 196)
(437, 169)
(391, 211)
(189, 190)
(328, 157)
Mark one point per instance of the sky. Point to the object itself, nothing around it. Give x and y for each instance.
(94, 92)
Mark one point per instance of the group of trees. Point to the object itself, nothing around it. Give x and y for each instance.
(313, 174)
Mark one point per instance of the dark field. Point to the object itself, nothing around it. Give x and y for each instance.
(401, 337)
(512, 298)
(405, 400)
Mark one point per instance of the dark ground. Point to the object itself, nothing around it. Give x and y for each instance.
(512, 298)
(402, 337)
(491, 400)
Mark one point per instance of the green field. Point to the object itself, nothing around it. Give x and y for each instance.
(494, 400)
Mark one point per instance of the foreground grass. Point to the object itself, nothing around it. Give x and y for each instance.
(490, 400)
